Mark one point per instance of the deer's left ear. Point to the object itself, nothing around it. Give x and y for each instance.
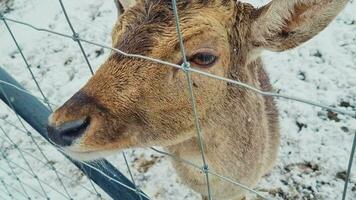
(285, 24)
(123, 5)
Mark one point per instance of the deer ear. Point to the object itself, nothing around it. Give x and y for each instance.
(285, 24)
(123, 5)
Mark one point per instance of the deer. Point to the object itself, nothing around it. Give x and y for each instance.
(134, 102)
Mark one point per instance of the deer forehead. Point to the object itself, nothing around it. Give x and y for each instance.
(147, 26)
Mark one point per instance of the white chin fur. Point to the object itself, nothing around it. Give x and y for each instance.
(88, 156)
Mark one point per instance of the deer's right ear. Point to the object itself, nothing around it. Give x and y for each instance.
(285, 24)
(123, 5)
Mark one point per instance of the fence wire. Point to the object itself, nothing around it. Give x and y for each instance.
(75, 38)
(44, 186)
(185, 67)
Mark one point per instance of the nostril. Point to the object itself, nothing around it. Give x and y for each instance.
(65, 134)
(73, 129)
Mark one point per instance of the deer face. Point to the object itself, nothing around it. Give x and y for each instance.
(133, 102)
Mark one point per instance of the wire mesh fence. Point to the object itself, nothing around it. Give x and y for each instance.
(17, 172)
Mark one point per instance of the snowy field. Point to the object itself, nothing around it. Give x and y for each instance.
(315, 144)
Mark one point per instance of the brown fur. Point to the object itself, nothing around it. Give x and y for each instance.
(137, 103)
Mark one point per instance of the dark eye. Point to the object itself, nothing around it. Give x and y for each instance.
(203, 59)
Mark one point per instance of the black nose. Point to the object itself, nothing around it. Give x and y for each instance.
(65, 134)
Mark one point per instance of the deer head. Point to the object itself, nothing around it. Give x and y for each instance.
(132, 102)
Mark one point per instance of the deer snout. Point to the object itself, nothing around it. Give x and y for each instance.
(72, 120)
(65, 134)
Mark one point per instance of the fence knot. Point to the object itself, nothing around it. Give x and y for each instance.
(137, 190)
(75, 37)
(205, 169)
(46, 100)
(185, 66)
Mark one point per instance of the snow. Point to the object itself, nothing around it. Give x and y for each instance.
(315, 144)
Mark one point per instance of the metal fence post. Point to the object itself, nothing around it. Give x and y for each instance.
(36, 114)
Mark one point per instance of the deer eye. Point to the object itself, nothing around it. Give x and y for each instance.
(203, 59)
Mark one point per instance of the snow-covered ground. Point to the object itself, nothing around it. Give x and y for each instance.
(315, 144)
